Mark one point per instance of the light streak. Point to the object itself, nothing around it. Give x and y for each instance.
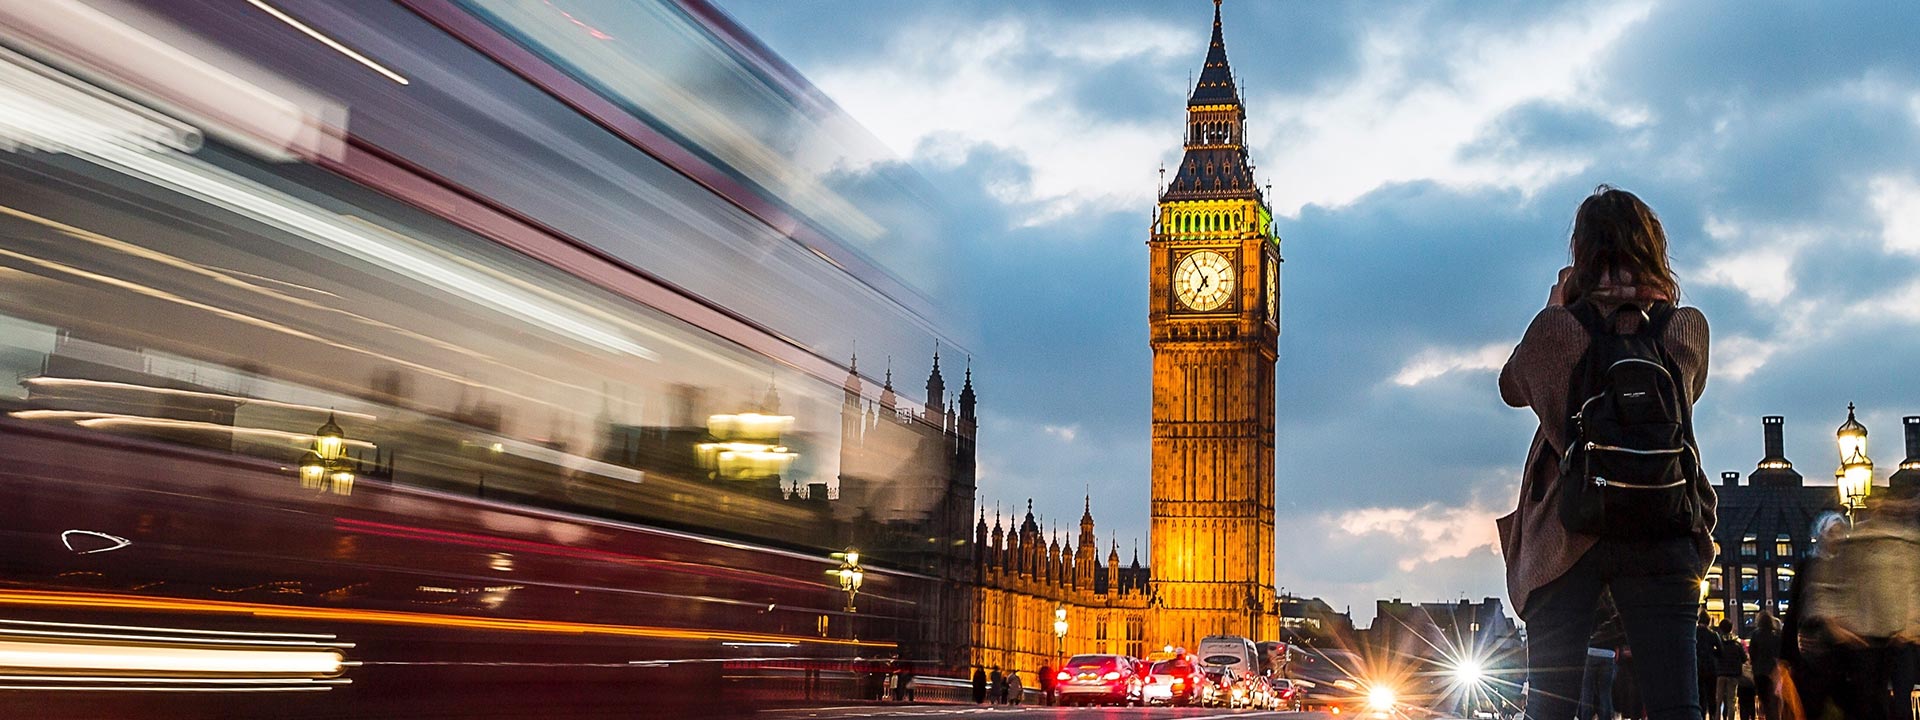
(102, 601)
(187, 631)
(89, 419)
(66, 538)
(329, 42)
(103, 384)
(57, 657)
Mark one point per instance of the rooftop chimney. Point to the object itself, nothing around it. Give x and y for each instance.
(1729, 478)
(1913, 440)
(1773, 427)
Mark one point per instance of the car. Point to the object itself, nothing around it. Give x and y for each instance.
(1099, 680)
(1172, 682)
(1286, 695)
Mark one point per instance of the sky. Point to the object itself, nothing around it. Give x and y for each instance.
(1426, 159)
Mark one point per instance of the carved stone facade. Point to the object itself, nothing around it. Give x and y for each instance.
(1024, 577)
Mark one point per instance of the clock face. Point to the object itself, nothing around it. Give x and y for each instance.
(1273, 292)
(1203, 280)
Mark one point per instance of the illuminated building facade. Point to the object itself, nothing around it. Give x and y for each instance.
(1214, 274)
(1023, 576)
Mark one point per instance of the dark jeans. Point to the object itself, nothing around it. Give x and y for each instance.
(1656, 587)
(1596, 691)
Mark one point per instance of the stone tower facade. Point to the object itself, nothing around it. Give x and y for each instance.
(1214, 314)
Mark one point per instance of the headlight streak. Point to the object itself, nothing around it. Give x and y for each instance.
(55, 656)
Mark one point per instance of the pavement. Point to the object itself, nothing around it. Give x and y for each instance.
(1030, 712)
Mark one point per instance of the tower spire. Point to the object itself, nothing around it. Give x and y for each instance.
(1216, 77)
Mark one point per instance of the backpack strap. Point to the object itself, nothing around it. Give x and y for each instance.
(1658, 315)
(1590, 318)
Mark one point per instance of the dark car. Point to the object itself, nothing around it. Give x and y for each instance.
(1099, 680)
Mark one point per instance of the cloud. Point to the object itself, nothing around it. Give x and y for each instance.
(1436, 362)
(1422, 97)
(1738, 357)
(1896, 202)
(945, 90)
(1426, 534)
(1066, 433)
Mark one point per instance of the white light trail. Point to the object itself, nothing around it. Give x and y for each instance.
(329, 42)
(64, 658)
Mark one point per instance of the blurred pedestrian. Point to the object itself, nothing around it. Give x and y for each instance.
(1806, 649)
(1865, 592)
(1561, 547)
(1015, 692)
(1729, 656)
(1764, 650)
(979, 685)
(1706, 659)
(903, 680)
(1046, 683)
(998, 689)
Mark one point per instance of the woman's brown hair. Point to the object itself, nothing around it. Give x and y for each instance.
(1617, 240)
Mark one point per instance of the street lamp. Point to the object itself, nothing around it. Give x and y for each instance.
(1855, 477)
(326, 462)
(1060, 631)
(850, 574)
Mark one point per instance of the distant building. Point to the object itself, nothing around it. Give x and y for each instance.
(1442, 632)
(1765, 526)
(1311, 621)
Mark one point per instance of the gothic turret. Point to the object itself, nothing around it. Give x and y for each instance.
(936, 392)
(887, 400)
(1084, 559)
(968, 403)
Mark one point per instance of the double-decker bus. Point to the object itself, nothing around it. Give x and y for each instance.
(476, 358)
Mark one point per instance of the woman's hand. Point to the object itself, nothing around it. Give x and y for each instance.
(1558, 295)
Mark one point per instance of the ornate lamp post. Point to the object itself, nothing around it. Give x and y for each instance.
(850, 574)
(1059, 632)
(1855, 477)
(326, 463)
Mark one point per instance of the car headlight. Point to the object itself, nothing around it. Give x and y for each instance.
(1380, 698)
(1468, 672)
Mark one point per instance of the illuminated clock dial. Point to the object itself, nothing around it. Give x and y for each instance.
(1273, 292)
(1203, 280)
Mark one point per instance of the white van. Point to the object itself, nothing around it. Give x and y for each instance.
(1238, 654)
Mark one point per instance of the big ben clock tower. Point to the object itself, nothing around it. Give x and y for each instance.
(1214, 274)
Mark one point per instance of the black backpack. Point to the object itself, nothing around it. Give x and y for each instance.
(1632, 467)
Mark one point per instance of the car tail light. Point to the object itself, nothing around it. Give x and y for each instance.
(1112, 675)
(1064, 676)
